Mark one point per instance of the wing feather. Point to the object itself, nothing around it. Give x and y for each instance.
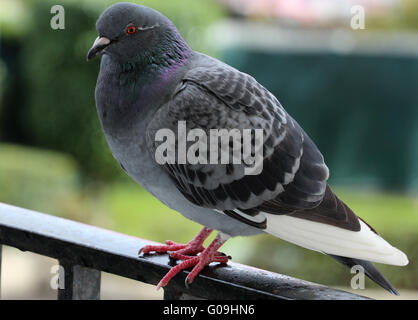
(216, 96)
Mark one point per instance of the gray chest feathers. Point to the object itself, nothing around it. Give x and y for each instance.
(131, 152)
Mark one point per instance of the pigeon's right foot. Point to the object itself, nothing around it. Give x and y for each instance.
(181, 251)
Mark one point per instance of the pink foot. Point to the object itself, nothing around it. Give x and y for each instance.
(208, 255)
(180, 251)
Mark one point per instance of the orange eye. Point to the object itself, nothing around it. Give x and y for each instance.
(131, 30)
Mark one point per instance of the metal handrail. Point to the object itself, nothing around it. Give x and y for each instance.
(84, 251)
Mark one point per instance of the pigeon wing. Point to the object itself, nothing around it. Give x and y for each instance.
(293, 175)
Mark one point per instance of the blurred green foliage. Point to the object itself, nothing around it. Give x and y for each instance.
(403, 18)
(12, 13)
(37, 179)
(3, 72)
(59, 111)
(409, 16)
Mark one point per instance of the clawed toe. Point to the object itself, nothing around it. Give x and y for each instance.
(192, 254)
(208, 255)
(161, 248)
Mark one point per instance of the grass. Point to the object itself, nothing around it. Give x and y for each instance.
(382, 210)
(134, 211)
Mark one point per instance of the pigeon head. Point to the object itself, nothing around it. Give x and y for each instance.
(130, 32)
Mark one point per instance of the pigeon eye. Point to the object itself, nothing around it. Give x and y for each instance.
(131, 30)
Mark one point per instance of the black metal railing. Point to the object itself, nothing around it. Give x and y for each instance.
(84, 251)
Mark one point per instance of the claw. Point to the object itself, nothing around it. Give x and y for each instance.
(187, 283)
(210, 254)
(192, 254)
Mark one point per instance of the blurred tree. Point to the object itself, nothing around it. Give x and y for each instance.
(37, 179)
(409, 15)
(12, 13)
(405, 17)
(2, 81)
(59, 110)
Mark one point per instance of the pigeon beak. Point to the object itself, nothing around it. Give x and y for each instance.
(99, 44)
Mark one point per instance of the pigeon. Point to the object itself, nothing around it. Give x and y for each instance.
(151, 83)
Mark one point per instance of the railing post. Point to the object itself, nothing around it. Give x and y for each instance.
(173, 294)
(80, 283)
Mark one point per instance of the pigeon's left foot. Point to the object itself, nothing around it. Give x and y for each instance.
(210, 254)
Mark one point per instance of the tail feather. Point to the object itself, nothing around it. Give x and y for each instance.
(364, 244)
(370, 270)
